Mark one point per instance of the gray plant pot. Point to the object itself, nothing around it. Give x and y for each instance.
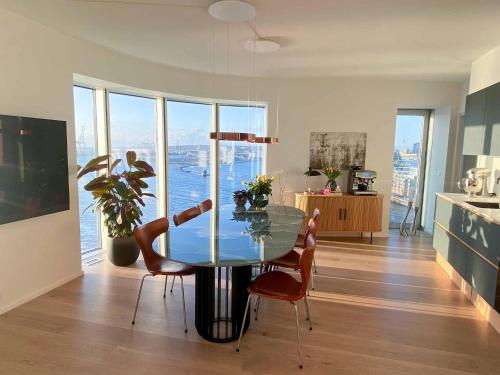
(122, 251)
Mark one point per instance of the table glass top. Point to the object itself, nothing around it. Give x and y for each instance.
(225, 236)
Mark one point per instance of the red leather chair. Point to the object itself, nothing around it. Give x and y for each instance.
(282, 286)
(187, 215)
(156, 263)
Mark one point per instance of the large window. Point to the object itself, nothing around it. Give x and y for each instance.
(132, 126)
(188, 154)
(239, 161)
(137, 123)
(86, 150)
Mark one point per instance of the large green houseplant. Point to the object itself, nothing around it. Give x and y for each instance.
(119, 197)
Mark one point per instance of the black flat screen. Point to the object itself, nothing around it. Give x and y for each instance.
(33, 168)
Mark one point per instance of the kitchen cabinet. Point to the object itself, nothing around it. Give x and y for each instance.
(482, 122)
(471, 245)
(492, 121)
(474, 123)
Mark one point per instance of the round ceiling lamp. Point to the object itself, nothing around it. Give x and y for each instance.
(232, 11)
(261, 46)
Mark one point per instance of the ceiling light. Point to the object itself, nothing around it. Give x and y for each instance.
(261, 46)
(232, 11)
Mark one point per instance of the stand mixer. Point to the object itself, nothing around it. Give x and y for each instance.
(476, 182)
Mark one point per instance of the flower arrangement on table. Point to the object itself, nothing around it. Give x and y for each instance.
(240, 198)
(259, 190)
(331, 174)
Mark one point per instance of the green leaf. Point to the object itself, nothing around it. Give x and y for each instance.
(138, 199)
(97, 183)
(91, 186)
(131, 158)
(93, 168)
(142, 184)
(93, 163)
(141, 164)
(114, 165)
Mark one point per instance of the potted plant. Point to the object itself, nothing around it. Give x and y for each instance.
(259, 190)
(240, 198)
(119, 196)
(331, 174)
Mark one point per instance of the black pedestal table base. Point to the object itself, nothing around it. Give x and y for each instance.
(221, 297)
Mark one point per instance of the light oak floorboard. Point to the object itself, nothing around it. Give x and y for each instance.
(381, 308)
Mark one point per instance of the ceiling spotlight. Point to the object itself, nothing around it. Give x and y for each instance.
(232, 11)
(261, 46)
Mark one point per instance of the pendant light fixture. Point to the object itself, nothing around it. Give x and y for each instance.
(253, 46)
(240, 11)
(232, 11)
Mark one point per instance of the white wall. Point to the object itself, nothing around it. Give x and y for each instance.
(37, 66)
(38, 253)
(485, 71)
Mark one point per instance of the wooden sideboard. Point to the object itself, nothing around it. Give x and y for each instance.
(343, 213)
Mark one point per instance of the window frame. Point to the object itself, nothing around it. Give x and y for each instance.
(96, 152)
(102, 139)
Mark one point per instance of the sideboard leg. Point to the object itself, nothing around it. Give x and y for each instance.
(371, 237)
(361, 235)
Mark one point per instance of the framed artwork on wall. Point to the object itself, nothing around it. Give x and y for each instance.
(337, 149)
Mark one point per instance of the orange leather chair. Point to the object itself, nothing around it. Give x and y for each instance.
(192, 212)
(283, 286)
(156, 263)
(187, 215)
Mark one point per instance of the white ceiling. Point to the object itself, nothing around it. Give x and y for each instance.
(435, 39)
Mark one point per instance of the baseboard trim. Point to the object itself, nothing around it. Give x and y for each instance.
(488, 312)
(39, 292)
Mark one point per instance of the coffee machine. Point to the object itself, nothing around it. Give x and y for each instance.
(360, 181)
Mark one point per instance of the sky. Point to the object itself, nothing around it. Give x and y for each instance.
(133, 119)
(408, 131)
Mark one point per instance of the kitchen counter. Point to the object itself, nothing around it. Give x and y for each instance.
(490, 215)
(467, 243)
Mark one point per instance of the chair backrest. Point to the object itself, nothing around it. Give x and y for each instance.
(312, 226)
(305, 262)
(145, 236)
(315, 214)
(205, 206)
(192, 212)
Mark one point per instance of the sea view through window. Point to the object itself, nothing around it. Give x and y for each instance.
(133, 126)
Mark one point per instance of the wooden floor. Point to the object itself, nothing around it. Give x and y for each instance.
(385, 308)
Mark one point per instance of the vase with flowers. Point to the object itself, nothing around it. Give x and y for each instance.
(259, 190)
(331, 174)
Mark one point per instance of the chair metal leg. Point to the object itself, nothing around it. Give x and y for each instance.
(314, 264)
(139, 296)
(308, 315)
(242, 327)
(298, 333)
(183, 304)
(165, 287)
(172, 287)
(312, 281)
(257, 306)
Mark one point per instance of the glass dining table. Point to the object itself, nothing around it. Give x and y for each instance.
(224, 244)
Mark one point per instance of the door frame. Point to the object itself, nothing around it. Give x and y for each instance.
(420, 191)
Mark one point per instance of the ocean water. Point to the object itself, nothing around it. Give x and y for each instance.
(188, 181)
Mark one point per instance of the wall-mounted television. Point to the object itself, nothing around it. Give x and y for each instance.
(33, 168)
